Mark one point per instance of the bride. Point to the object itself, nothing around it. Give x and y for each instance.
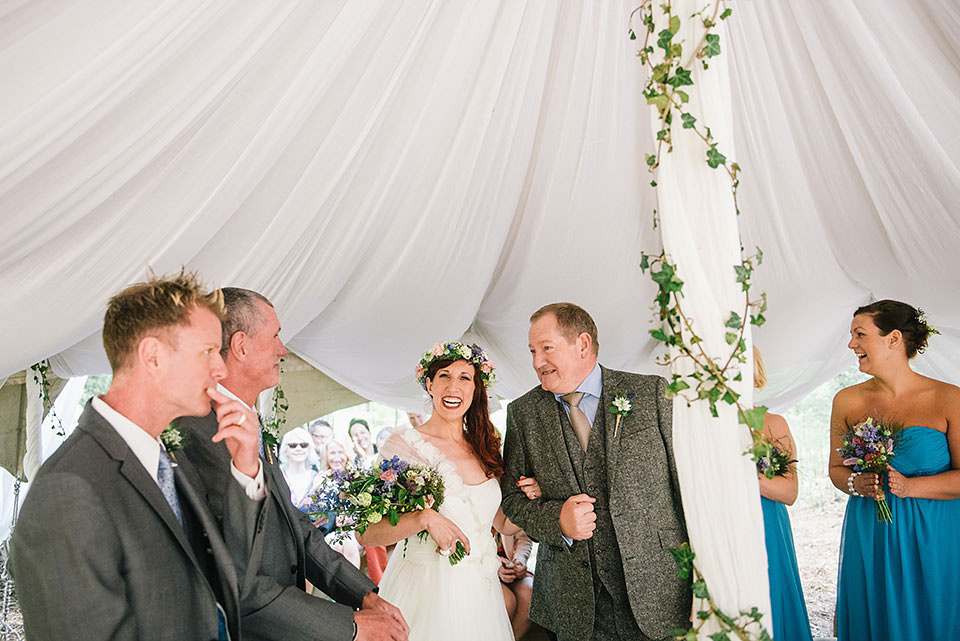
(440, 601)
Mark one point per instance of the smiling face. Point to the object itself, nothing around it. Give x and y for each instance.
(336, 456)
(452, 389)
(297, 444)
(360, 436)
(561, 364)
(321, 435)
(871, 349)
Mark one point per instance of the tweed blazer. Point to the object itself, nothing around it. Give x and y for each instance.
(98, 554)
(273, 602)
(644, 502)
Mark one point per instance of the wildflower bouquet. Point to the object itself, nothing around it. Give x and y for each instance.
(362, 496)
(775, 462)
(869, 447)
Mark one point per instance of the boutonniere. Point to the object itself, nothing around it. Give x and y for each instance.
(271, 438)
(171, 438)
(620, 407)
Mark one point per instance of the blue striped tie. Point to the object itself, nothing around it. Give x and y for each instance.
(165, 481)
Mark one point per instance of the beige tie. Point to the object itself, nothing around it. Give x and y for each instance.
(581, 426)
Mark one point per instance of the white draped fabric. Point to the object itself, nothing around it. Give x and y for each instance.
(394, 173)
(698, 223)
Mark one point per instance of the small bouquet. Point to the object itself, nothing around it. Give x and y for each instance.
(362, 496)
(869, 447)
(774, 462)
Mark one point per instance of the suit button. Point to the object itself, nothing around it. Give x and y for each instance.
(585, 564)
(293, 569)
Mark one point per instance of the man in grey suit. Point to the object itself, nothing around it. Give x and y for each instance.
(608, 505)
(115, 540)
(274, 603)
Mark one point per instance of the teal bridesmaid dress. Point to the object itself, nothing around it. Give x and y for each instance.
(790, 620)
(900, 581)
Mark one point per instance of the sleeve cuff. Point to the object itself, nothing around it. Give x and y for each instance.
(254, 487)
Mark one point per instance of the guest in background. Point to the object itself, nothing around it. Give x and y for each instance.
(383, 435)
(898, 580)
(416, 419)
(363, 448)
(297, 462)
(790, 620)
(516, 580)
(320, 431)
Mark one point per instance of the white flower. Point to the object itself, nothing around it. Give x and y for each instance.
(622, 405)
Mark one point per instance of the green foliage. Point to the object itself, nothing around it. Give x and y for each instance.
(713, 377)
(744, 626)
(40, 371)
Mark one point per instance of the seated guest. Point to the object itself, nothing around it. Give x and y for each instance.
(298, 461)
(320, 431)
(363, 448)
(516, 580)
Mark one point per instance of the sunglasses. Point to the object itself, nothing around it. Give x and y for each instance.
(303, 445)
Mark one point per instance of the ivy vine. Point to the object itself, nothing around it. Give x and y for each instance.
(278, 417)
(40, 371)
(745, 626)
(712, 378)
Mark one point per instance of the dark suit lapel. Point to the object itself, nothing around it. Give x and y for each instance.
(133, 471)
(548, 415)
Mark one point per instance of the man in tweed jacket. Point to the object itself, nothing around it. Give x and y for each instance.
(608, 506)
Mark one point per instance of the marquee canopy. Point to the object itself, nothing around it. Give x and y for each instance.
(395, 173)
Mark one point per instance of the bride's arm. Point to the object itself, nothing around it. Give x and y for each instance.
(443, 531)
(503, 525)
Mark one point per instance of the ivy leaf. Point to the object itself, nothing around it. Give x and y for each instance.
(659, 100)
(700, 590)
(644, 261)
(680, 79)
(720, 636)
(726, 13)
(730, 397)
(675, 388)
(714, 157)
(734, 321)
(651, 160)
(674, 24)
(664, 38)
(659, 334)
(633, 36)
(689, 122)
(753, 418)
(712, 47)
(683, 95)
(731, 338)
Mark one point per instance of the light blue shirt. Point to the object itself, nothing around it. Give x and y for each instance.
(592, 387)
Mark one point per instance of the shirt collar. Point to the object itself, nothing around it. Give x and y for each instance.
(592, 385)
(145, 447)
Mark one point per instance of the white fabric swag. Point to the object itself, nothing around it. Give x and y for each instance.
(395, 173)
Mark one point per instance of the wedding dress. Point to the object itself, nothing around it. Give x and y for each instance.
(439, 601)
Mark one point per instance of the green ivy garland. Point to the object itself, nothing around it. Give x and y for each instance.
(711, 379)
(40, 371)
(278, 417)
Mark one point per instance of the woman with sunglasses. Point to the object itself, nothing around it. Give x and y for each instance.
(297, 460)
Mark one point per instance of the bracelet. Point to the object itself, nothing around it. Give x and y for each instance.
(853, 492)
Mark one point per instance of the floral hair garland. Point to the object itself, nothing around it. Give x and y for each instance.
(455, 351)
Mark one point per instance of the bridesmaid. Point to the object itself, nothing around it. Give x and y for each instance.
(898, 581)
(790, 620)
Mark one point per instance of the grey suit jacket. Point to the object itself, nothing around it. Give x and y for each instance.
(274, 604)
(98, 554)
(644, 500)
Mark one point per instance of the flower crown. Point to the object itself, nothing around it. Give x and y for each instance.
(455, 351)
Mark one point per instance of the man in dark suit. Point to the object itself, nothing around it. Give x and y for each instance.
(274, 602)
(114, 540)
(608, 506)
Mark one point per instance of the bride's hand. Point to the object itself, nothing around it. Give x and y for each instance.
(530, 487)
(444, 531)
